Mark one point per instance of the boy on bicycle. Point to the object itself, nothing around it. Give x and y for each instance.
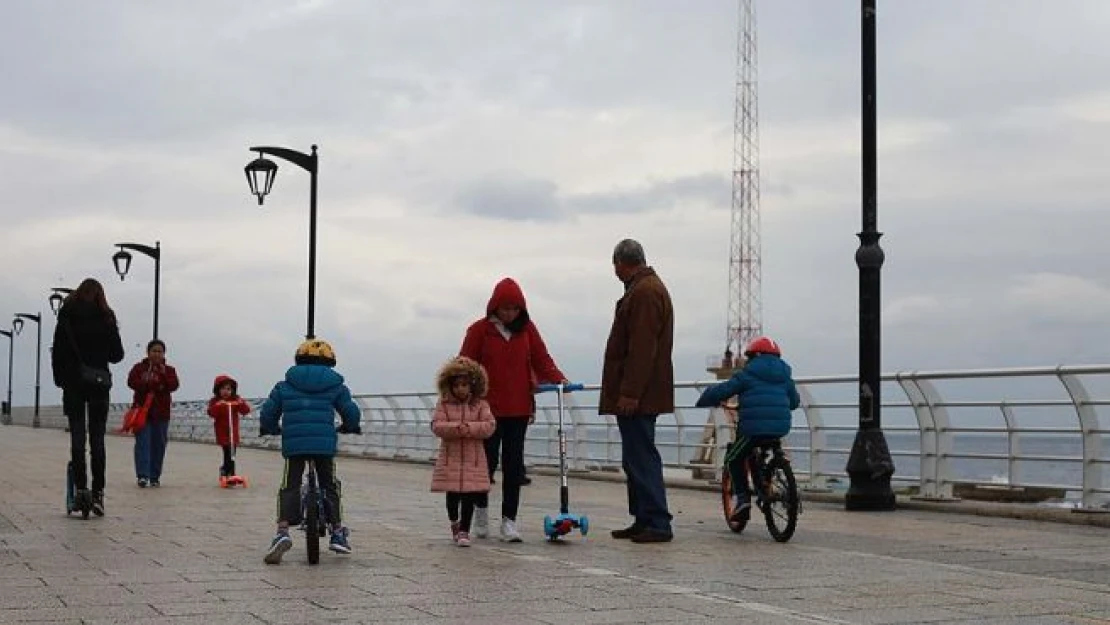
(766, 394)
(307, 400)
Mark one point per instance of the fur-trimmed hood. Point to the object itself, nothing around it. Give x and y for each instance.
(479, 381)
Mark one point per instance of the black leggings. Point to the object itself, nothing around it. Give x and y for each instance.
(509, 436)
(75, 402)
(467, 500)
(228, 467)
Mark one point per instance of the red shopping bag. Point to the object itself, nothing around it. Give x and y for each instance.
(134, 419)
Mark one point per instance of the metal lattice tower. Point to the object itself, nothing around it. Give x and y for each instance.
(745, 301)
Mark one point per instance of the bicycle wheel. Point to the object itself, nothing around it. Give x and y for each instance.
(780, 502)
(726, 503)
(312, 522)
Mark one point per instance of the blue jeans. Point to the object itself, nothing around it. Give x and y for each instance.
(647, 497)
(150, 449)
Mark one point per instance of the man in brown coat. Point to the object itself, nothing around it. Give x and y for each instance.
(637, 385)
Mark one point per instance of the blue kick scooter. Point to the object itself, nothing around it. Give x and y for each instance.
(565, 522)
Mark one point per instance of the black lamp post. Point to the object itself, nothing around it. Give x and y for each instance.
(57, 298)
(11, 350)
(869, 464)
(17, 323)
(260, 176)
(122, 261)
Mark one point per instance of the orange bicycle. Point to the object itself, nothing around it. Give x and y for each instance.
(773, 486)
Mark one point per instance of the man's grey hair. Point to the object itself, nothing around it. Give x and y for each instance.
(629, 252)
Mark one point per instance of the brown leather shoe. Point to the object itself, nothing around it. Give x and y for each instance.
(653, 536)
(628, 532)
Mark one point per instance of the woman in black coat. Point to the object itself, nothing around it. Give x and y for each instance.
(86, 339)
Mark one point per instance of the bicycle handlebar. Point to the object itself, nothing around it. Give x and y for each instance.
(566, 388)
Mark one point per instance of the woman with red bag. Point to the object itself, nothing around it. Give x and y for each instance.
(152, 376)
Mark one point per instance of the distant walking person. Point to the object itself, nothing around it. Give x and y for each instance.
(86, 340)
(152, 376)
(637, 385)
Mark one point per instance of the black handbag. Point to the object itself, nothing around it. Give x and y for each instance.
(95, 377)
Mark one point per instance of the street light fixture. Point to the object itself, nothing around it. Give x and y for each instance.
(869, 465)
(17, 323)
(7, 413)
(260, 177)
(122, 262)
(57, 298)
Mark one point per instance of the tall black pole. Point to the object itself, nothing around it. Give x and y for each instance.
(260, 177)
(38, 368)
(869, 465)
(11, 350)
(37, 318)
(312, 249)
(157, 282)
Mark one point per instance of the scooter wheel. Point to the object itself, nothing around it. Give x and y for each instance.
(244, 481)
(548, 526)
(584, 524)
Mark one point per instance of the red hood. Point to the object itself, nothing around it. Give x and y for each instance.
(220, 380)
(506, 292)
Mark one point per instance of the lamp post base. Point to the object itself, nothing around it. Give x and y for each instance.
(870, 468)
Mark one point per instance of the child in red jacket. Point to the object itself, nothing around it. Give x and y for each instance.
(225, 407)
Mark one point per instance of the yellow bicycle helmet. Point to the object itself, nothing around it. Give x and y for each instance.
(315, 352)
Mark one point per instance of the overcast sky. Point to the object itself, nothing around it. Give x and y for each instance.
(461, 142)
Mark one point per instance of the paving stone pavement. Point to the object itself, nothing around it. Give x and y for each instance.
(191, 552)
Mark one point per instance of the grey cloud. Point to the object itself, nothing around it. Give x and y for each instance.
(513, 198)
(518, 198)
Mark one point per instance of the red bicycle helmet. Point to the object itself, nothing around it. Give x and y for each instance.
(762, 345)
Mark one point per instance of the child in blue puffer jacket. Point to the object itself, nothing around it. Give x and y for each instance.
(767, 396)
(307, 401)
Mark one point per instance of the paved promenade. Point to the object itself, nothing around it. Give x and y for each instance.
(192, 553)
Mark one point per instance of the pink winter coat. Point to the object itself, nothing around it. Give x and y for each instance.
(461, 466)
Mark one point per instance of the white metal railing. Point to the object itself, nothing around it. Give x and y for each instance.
(994, 437)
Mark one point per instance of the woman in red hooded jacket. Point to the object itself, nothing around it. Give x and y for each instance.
(225, 408)
(509, 346)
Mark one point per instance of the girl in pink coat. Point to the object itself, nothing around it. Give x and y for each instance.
(462, 420)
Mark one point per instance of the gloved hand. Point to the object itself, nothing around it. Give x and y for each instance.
(276, 432)
(343, 429)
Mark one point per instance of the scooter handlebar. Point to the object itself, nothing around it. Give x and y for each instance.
(567, 388)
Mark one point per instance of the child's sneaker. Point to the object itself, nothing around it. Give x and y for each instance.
(455, 531)
(463, 539)
(509, 533)
(278, 546)
(741, 509)
(481, 522)
(142, 481)
(339, 542)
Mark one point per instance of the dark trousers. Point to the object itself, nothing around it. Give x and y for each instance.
(737, 462)
(228, 467)
(647, 497)
(467, 501)
(509, 436)
(150, 449)
(289, 497)
(77, 403)
(494, 443)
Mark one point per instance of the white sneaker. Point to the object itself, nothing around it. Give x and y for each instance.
(481, 522)
(508, 531)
